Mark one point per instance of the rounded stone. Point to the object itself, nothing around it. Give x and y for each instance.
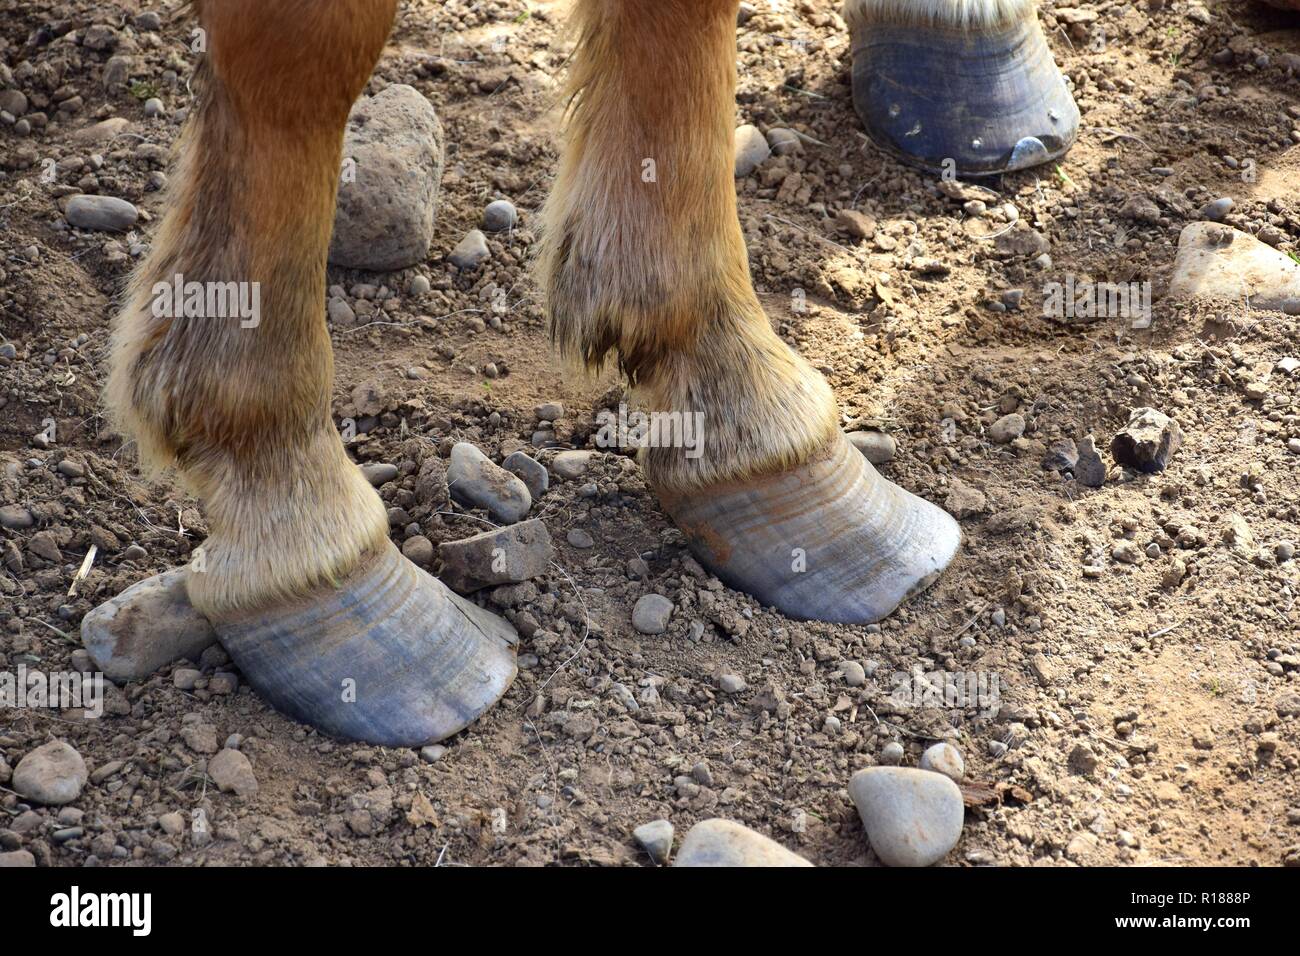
(500, 215)
(651, 613)
(946, 759)
(53, 774)
(100, 213)
(912, 817)
(1007, 428)
(877, 447)
(751, 150)
(720, 842)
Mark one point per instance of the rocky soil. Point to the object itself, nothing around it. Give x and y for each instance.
(1131, 603)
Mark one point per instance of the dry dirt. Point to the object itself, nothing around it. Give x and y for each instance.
(1145, 717)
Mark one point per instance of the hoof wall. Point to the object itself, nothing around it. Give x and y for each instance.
(829, 541)
(971, 101)
(390, 656)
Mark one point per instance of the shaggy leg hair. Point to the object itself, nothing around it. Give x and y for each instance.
(243, 414)
(643, 253)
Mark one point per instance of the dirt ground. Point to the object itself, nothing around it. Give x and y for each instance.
(1147, 709)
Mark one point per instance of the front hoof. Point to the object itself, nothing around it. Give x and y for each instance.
(830, 540)
(972, 98)
(388, 656)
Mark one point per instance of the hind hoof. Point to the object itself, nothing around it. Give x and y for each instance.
(389, 656)
(830, 540)
(975, 100)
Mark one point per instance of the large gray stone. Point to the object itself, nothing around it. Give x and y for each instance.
(501, 556)
(912, 817)
(100, 213)
(1220, 262)
(724, 843)
(384, 218)
(475, 480)
(148, 626)
(53, 773)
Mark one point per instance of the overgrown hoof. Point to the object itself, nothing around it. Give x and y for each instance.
(388, 656)
(973, 98)
(830, 540)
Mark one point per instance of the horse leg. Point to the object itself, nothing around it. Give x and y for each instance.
(322, 614)
(643, 255)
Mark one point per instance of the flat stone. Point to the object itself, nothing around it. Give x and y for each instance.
(651, 613)
(386, 208)
(784, 142)
(656, 838)
(912, 817)
(16, 518)
(751, 150)
(474, 480)
(720, 842)
(1223, 263)
(1148, 441)
(232, 773)
(501, 556)
(471, 252)
(530, 471)
(102, 132)
(379, 473)
(963, 501)
(1007, 428)
(148, 626)
(53, 774)
(571, 464)
(856, 225)
(1063, 455)
(877, 447)
(579, 538)
(200, 737)
(1089, 469)
(731, 684)
(100, 213)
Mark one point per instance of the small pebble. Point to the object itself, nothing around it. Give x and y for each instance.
(651, 613)
(656, 838)
(499, 216)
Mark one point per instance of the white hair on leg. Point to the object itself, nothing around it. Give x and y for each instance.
(962, 14)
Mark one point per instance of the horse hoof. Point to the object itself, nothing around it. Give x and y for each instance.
(957, 90)
(387, 656)
(830, 540)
